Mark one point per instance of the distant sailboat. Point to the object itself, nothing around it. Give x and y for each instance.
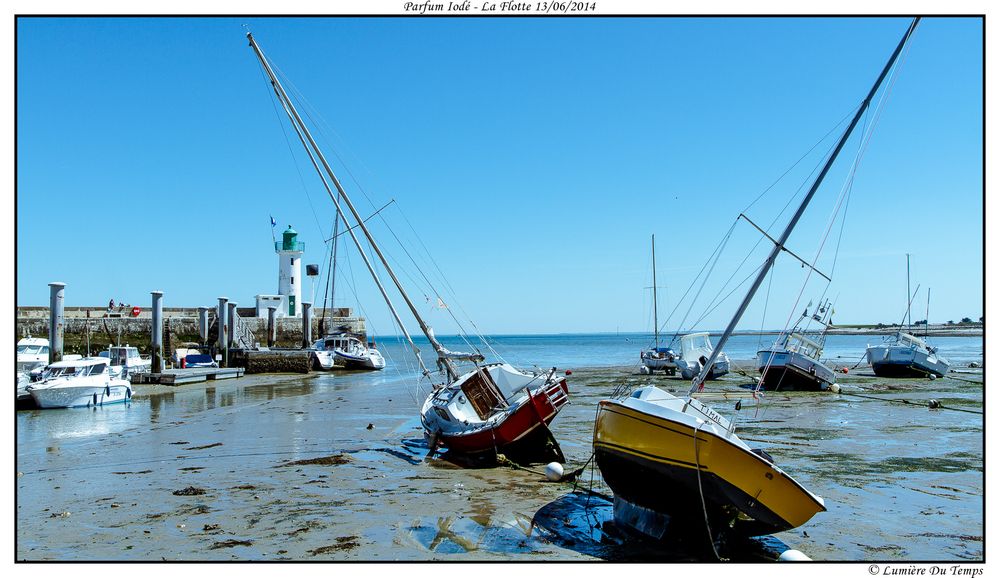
(904, 354)
(672, 460)
(793, 362)
(696, 348)
(489, 410)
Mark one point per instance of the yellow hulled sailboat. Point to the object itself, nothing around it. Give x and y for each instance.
(674, 459)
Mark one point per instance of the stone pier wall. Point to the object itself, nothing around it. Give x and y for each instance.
(101, 332)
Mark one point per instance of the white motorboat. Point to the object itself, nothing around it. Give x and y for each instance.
(348, 351)
(696, 350)
(79, 383)
(31, 353)
(126, 361)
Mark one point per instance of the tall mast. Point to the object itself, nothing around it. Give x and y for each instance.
(304, 133)
(908, 299)
(331, 270)
(927, 315)
(779, 245)
(656, 323)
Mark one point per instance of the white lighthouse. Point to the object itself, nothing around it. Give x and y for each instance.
(289, 251)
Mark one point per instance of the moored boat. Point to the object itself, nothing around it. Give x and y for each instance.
(793, 362)
(906, 355)
(674, 462)
(346, 350)
(497, 409)
(79, 383)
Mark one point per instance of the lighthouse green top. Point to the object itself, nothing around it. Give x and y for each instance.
(289, 241)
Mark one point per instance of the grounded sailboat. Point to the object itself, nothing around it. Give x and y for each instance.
(489, 410)
(674, 459)
(793, 362)
(695, 348)
(906, 355)
(657, 357)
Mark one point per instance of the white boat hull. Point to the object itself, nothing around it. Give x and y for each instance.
(80, 396)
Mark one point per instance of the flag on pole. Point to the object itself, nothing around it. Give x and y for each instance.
(273, 223)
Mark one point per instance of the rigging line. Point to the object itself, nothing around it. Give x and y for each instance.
(715, 301)
(721, 301)
(807, 153)
(288, 143)
(718, 251)
(866, 136)
(370, 217)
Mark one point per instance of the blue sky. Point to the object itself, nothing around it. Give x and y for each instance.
(533, 157)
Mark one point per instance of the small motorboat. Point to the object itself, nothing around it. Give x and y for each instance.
(346, 350)
(125, 361)
(79, 383)
(906, 356)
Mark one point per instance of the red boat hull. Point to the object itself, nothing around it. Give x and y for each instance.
(524, 423)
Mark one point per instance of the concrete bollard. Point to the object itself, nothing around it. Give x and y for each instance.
(220, 315)
(271, 333)
(231, 322)
(307, 319)
(56, 321)
(157, 338)
(203, 324)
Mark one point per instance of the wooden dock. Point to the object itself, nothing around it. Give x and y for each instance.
(188, 375)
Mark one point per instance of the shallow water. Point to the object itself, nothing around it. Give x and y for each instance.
(901, 482)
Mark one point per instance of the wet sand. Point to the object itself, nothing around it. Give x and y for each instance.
(332, 467)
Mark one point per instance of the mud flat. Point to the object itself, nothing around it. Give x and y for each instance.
(334, 467)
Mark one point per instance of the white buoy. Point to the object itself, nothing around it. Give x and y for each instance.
(644, 370)
(554, 471)
(793, 556)
(834, 388)
(931, 377)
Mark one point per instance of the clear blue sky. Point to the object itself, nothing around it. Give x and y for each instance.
(535, 157)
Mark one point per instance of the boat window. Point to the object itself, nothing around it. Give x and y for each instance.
(97, 369)
(22, 348)
(45, 349)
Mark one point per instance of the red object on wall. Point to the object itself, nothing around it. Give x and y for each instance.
(135, 311)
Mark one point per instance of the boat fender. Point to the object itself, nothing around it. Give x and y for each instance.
(107, 391)
(95, 398)
(933, 404)
(793, 556)
(554, 471)
(931, 376)
(834, 388)
(644, 370)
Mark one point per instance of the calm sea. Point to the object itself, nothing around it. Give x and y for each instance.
(568, 351)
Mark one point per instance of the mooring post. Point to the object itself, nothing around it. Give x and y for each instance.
(271, 334)
(203, 324)
(56, 321)
(157, 338)
(231, 323)
(223, 338)
(307, 319)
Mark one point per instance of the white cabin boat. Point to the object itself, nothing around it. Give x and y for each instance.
(348, 351)
(906, 356)
(696, 350)
(125, 361)
(79, 383)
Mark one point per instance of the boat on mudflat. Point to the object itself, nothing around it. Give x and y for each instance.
(346, 350)
(793, 362)
(485, 410)
(906, 355)
(674, 463)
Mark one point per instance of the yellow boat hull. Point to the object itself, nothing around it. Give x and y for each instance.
(654, 463)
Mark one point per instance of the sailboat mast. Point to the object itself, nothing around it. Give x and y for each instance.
(908, 300)
(779, 245)
(304, 132)
(331, 270)
(656, 322)
(927, 315)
